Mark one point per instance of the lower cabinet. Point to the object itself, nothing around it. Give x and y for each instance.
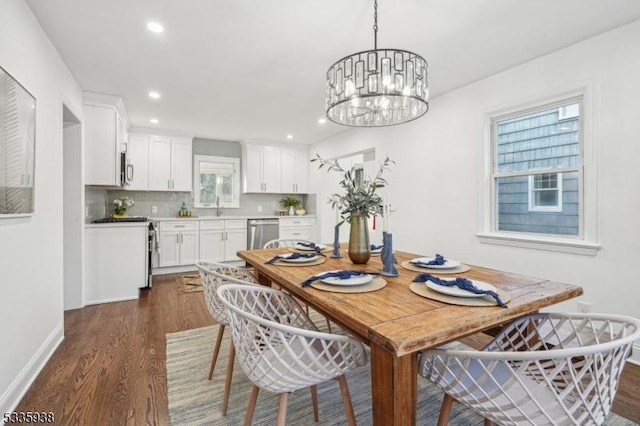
(303, 228)
(115, 262)
(221, 239)
(179, 243)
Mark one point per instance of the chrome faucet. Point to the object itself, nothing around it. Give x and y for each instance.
(218, 208)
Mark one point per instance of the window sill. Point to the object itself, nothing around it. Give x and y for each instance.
(562, 245)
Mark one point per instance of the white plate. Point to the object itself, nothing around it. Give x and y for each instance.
(448, 263)
(356, 280)
(303, 248)
(285, 258)
(457, 291)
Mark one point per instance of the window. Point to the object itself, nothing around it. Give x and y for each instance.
(540, 178)
(537, 169)
(216, 181)
(545, 192)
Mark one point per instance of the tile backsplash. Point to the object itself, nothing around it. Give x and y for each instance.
(99, 203)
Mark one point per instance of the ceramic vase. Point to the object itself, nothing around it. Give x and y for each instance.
(359, 247)
(292, 211)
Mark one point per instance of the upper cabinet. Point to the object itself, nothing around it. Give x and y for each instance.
(105, 138)
(272, 169)
(295, 170)
(262, 166)
(138, 157)
(160, 163)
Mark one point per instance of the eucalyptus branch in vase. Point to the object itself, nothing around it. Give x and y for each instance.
(358, 202)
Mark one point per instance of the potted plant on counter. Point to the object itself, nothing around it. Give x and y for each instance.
(290, 203)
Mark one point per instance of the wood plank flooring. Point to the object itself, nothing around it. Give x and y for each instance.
(110, 368)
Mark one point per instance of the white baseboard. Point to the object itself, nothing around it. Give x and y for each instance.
(114, 299)
(12, 396)
(174, 269)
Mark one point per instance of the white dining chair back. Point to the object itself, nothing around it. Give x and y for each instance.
(542, 369)
(284, 242)
(281, 350)
(213, 275)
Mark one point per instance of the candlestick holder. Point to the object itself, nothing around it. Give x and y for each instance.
(388, 259)
(336, 242)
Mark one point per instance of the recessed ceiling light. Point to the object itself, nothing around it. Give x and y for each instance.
(322, 120)
(289, 136)
(154, 120)
(154, 95)
(154, 27)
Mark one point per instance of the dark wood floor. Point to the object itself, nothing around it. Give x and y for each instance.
(110, 368)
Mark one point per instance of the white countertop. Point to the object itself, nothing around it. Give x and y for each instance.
(228, 217)
(116, 224)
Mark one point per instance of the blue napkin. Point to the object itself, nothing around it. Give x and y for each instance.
(438, 260)
(311, 246)
(462, 283)
(291, 256)
(375, 247)
(343, 275)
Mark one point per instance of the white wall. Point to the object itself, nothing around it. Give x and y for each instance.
(440, 158)
(31, 252)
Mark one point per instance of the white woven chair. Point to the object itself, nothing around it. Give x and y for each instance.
(290, 243)
(283, 242)
(282, 351)
(543, 369)
(213, 275)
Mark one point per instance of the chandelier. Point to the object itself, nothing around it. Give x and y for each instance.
(379, 87)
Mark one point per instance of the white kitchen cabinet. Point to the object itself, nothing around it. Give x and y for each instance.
(179, 243)
(138, 157)
(274, 169)
(297, 227)
(104, 139)
(220, 239)
(262, 169)
(170, 164)
(115, 262)
(295, 170)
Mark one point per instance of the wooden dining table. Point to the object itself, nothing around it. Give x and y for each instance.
(397, 323)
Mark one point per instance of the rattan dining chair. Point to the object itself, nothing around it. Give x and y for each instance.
(543, 369)
(213, 275)
(281, 350)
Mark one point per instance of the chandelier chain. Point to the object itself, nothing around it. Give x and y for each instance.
(375, 25)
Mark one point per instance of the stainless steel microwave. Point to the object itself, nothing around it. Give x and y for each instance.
(126, 170)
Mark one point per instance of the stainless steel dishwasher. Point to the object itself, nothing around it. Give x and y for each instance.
(260, 231)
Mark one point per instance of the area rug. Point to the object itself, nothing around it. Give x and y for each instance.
(190, 283)
(194, 400)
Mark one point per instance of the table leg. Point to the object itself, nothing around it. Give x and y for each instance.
(263, 279)
(394, 383)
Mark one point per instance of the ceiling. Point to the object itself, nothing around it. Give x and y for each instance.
(252, 69)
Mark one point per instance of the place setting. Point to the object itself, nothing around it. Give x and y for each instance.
(437, 264)
(297, 259)
(346, 281)
(459, 291)
(308, 247)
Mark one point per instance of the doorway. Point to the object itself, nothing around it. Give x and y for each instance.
(73, 206)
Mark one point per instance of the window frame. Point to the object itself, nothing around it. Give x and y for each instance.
(586, 242)
(235, 187)
(533, 207)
